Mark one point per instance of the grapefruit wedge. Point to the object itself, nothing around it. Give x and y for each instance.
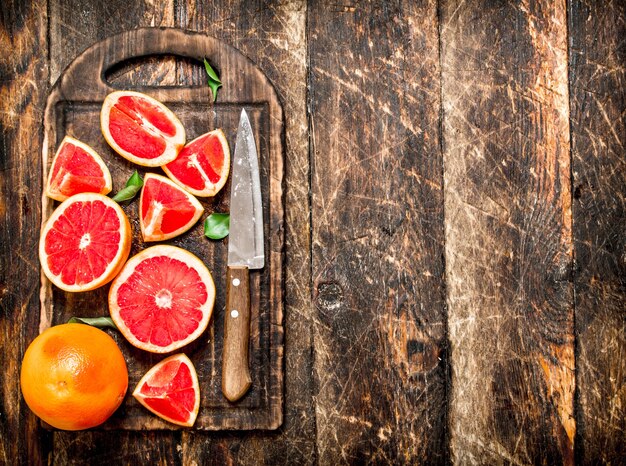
(165, 209)
(171, 391)
(162, 299)
(77, 168)
(203, 165)
(85, 242)
(141, 129)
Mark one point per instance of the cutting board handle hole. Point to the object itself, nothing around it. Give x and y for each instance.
(164, 70)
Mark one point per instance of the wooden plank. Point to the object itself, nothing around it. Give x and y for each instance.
(598, 110)
(272, 34)
(116, 447)
(377, 233)
(77, 24)
(23, 78)
(508, 231)
(74, 26)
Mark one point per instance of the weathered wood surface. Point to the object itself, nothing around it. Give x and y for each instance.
(494, 122)
(73, 27)
(272, 34)
(377, 234)
(598, 115)
(23, 77)
(508, 232)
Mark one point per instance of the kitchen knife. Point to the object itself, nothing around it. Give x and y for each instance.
(245, 252)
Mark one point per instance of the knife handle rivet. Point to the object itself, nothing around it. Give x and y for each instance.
(234, 313)
(236, 282)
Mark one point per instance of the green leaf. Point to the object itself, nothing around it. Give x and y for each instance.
(214, 80)
(216, 226)
(99, 322)
(133, 185)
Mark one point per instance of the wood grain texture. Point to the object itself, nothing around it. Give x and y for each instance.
(116, 448)
(77, 24)
(365, 319)
(273, 35)
(508, 231)
(377, 226)
(236, 378)
(23, 88)
(73, 26)
(598, 115)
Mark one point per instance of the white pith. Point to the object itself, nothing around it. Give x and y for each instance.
(163, 299)
(84, 241)
(155, 213)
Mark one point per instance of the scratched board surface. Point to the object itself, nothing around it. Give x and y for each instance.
(75, 112)
(444, 302)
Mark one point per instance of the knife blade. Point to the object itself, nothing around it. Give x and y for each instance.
(245, 252)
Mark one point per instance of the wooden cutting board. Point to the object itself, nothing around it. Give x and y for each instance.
(73, 108)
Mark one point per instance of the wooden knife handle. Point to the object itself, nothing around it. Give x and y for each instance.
(235, 372)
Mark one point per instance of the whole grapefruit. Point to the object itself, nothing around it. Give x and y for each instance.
(73, 376)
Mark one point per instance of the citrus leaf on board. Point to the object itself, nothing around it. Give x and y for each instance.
(214, 80)
(99, 322)
(133, 185)
(216, 226)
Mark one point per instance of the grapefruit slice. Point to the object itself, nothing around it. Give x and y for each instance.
(171, 391)
(162, 299)
(165, 209)
(141, 129)
(203, 165)
(77, 168)
(85, 242)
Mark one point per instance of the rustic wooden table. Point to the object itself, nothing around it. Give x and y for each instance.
(455, 193)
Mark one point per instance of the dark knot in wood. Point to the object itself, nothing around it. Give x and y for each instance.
(329, 296)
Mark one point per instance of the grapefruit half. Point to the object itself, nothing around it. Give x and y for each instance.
(171, 391)
(141, 129)
(77, 168)
(165, 209)
(85, 242)
(203, 165)
(162, 299)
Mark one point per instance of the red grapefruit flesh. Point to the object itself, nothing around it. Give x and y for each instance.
(141, 129)
(165, 209)
(171, 390)
(77, 168)
(85, 242)
(203, 165)
(162, 299)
